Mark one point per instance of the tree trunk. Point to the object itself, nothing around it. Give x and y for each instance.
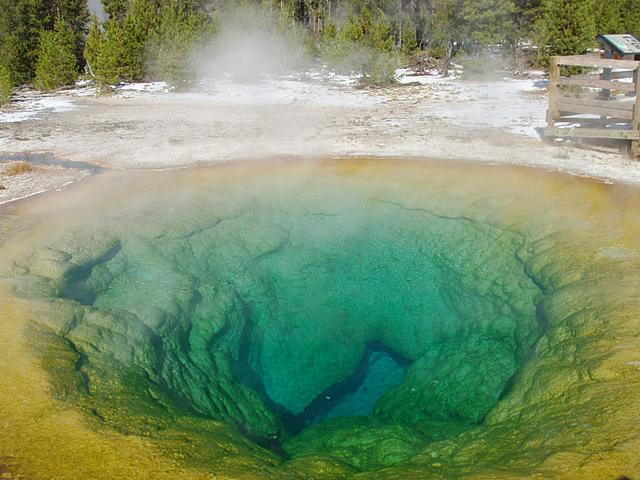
(90, 70)
(451, 50)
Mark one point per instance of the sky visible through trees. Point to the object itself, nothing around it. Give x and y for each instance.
(95, 7)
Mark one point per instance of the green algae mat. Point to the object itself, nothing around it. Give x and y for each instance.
(365, 319)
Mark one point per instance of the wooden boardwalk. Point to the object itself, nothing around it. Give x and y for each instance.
(600, 105)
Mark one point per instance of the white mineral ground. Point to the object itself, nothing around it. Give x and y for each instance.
(147, 126)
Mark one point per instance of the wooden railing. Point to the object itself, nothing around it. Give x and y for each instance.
(614, 111)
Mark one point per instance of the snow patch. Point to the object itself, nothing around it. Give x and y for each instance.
(319, 87)
(29, 107)
(306, 89)
(143, 87)
(56, 104)
(406, 76)
(517, 106)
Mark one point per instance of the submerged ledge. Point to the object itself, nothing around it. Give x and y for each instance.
(558, 253)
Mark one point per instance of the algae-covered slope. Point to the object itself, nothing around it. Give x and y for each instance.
(347, 319)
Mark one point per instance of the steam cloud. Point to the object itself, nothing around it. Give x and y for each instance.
(250, 42)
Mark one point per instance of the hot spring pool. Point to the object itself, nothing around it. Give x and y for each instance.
(366, 319)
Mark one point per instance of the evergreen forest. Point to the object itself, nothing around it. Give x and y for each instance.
(50, 43)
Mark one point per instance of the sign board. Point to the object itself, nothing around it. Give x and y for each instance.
(621, 44)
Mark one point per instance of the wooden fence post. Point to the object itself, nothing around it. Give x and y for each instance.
(575, 108)
(606, 72)
(635, 123)
(554, 88)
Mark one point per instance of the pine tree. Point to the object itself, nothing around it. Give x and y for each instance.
(56, 66)
(329, 33)
(178, 29)
(109, 68)
(367, 30)
(138, 25)
(363, 45)
(407, 36)
(525, 16)
(93, 44)
(489, 22)
(30, 18)
(7, 23)
(631, 17)
(6, 86)
(115, 9)
(448, 33)
(568, 26)
(7, 37)
(610, 17)
(21, 22)
(121, 54)
(75, 13)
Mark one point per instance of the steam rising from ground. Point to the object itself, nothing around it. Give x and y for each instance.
(250, 42)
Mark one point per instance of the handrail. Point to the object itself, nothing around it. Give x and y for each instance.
(592, 61)
(626, 106)
(617, 75)
(597, 83)
(609, 109)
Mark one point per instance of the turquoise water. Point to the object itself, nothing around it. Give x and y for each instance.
(379, 371)
(464, 321)
(315, 311)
